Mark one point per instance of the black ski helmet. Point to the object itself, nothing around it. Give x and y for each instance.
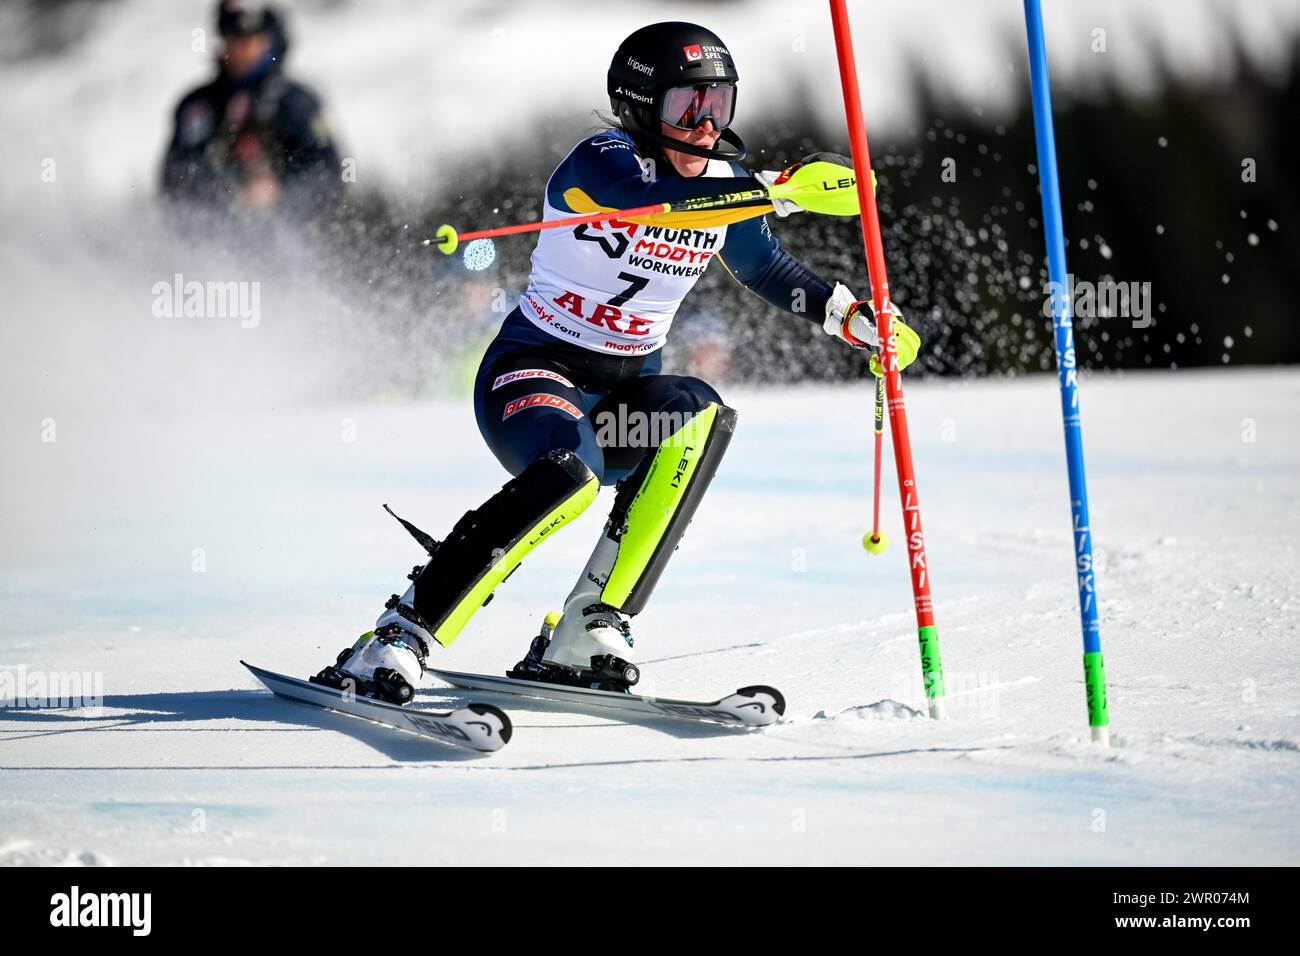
(657, 58)
(238, 19)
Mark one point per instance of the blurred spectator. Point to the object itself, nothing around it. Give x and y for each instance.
(252, 138)
(704, 347)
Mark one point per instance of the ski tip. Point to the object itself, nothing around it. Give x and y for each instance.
(487, 710)
(778, 701)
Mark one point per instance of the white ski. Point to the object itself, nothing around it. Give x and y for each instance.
(480, 727)
(748, 707)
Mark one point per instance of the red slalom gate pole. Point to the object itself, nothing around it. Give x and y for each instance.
(876, 536)
(927, 634)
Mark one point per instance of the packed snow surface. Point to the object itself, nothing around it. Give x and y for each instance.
(150, 547)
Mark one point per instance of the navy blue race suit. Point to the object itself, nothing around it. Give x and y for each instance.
(564, 356)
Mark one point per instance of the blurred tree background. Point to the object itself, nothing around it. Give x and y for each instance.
(1155, 191)
(1185, 188)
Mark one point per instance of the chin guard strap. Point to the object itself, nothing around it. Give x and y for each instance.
(735, 149)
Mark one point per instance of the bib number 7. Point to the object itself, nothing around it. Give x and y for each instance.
(635, 284)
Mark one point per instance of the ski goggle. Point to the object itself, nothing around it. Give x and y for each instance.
(686, 107)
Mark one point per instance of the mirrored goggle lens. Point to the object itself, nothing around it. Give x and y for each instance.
(686, 107)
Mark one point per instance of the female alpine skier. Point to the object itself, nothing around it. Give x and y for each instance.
(569, 394)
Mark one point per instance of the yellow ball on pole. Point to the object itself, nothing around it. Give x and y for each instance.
(874, 544)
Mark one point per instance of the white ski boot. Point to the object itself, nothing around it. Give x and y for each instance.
(588, 644)
(388, 662)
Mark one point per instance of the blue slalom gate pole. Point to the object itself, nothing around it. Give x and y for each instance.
(1094, 673)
